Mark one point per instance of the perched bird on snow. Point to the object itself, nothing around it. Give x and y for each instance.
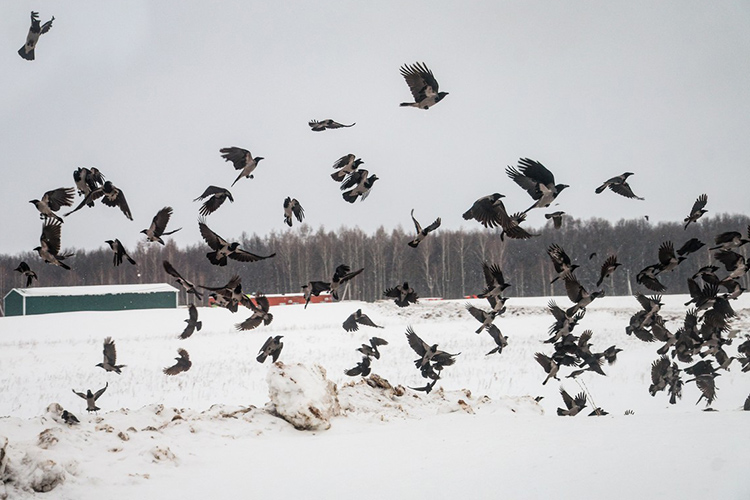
(556, 217)
(183, 363)
(320, 126)
(222, 249)
(159, 223)
(619, 184)
(271, 347)
(422, 233)
(697, 211)
(359, 183)
(371, 351)
(351, 324)
(111, 196)
(403, 295)
(345, 166)
(26, 271)
(35, 31)
(192, 322)
(537, 180)
(69, 418)
(242, 160)
(216, 197)
(52, 201)
(573, 405)
(185, 284)
(110, 357)
(49, 249)
(292, 208)
(609, 267)
(91, 397)
(423, 86)
(119, 252)
(260, 314)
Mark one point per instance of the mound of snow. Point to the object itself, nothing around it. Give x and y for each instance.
(302, 395)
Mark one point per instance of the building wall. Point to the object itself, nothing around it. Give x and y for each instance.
(13, 304)
(107, 302)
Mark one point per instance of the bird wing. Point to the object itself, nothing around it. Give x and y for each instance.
(416, 343)
(527, 183)
(98, 393)
(433, 226)
(354, 179)
(478, 314)
(624, 189)
(343, 161)
(58, 198)
(171, 270)
(421, 81)
(393, 292)
(51, 234)
(699, 204)
(365, 320)
(212, 239)
(558, 313)
(93, 195)
(236, 155)
(580, 400)
(350, 324)
(79, 394)
(160, 221)
(297, 210)
(666, 252)
(193, 313)
(536, 172)
(493, 275)
(728, 258)
(573, 288)
(46, 26)
(543, 360)
(210, 191)
(110, 353)
(245, 256)
(250, 323)
(417, 227)
(566, 398)
(496, 335)
(118, 200)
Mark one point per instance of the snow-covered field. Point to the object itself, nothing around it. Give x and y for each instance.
(210, 432)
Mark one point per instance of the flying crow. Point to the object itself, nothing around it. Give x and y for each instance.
(216, 197)
(260, 314)
(428, 388)
(87, 180)
(647, 277)
(371, 351)
(231, 293)
(490, 212)
(185, 284)
(560, 261)
(342, 275)
(403, 295)
(501, 340)
(91, 397)
(314, 288)
(692, 245)
(35, 31)
(362, 368)
(697, 211)
(422, 85)
(292, 208)
(110, 357)
(495, 281)
(351, 324)
(183, 363)
(551, 367)
(192, 322)
(119, 252)
(609, 267)
(159, 223)
(49, 250)
(422, 233)
(578, 294)
(52, 201)
(222, 249)
(730, 240)
(484, 317)
(26, 271)
(573, 405)
(320, 126)
(667, 258)
(271, 347)
(428, 353)
(359, 183)
(539, 182)
(345, 166)
(556, 217)
(619, 185)
(111, 196)
(242, 160)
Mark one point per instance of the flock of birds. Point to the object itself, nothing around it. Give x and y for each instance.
(703, 334)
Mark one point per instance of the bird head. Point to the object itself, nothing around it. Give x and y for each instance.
(440, 96)
(358, 162)
(560, 187)
(233, 246)
(34, 201)
(627, 174)
(257, 159)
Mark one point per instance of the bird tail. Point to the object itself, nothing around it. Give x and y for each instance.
(29, 56)
(261, 357)
(130, 259)
(413, 243)
(480, 329)
(198, 325)
(561, 412)
(410, 104)
(170, 232)
(349, 196)
(65, 266)
(600, 189)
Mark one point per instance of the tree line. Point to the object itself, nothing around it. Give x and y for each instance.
(447, 264)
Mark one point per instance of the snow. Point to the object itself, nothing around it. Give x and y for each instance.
(215, 430)
(52, 291)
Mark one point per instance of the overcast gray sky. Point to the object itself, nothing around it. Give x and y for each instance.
(149, 92)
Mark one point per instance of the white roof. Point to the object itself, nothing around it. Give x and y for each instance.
(94, 290)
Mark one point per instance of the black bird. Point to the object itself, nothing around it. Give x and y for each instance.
(345, 166)
(185, 284)
(493, 277)
(342, 275)
(26, 271)
(111, 196)
(560, 261)
(490, 212)
(609, 267)
(110, 357)
(91, 397)
(564, 323)
(573, 405)
(119, 252)
(271, 347)
(371, 351)
(35, 31)
(427, 388)
(69, 418)
(746, 406)
(539, 182)
(314, 288)
(403, 295)
(578, 294)
(423, 86)
(667, 258)
(362, 368)
(87, 180)
(556, 217)
(292, 208)
(260, 314)
(231, 293)
(647, 277)
(351, 324)
(666, 376)
(501, 341)
(183, 363)
(619, 185)
(359, 183)
(192, 322)
(216, 197)
(692, 245)
(320, 126)
(242, 160)
(422, 233)
(52, 201)
(484, 317)
(49, 250)
(610, 354)
(159, 223)
(730, 240)
(222, 249)
(697, 211)
(733, 262)
(428, 353)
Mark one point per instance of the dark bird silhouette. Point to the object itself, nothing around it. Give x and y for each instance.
(271, 347)
(578, 294)
(314, 288)
(746, 406)
(231, 293)
(427, 388)
(260, 314)
(690, 246)
(292, 208)
(192, 322)
(609, 267)
(183, 363)
(49, 249)
(619, 185)
(536, 180)
(36, 30)
(501, 341)
(556, 217)
(359, 183)
(493, 277)
(242, 160)
(666, 376)
(69, 418)
(490, 212)
(422, 233)
(610, 354)
(26, 271)
(572, 405)
(564, 323)
(371, 350)
(111, 196)
(91, 397)
(484, 317)
(647, 277)
(362, 368)
(560, 261)
(343, 274)
(320, 126)
(351, 324)
(119, 252)
(222, 249)
(52, 201)
(423, 86)
(733, 262)
(110, 357)
(730, 240)
(215, 197)
(403, 295)
(345, 166)
(159, 223)
(428, 353)
(697, 211)
(188, 286)
(87, 180)
(667, 258)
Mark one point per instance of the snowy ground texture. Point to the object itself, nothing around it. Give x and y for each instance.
(216, 430)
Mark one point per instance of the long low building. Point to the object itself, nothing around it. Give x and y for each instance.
(44, 300)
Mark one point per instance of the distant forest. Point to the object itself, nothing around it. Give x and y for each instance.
(446, 264)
